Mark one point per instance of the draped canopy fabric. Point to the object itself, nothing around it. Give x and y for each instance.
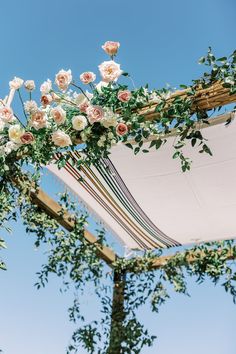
(148, 202)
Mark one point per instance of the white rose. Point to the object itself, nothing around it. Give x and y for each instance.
(113, 142)
(110, 71)
(15, 132)
(30, 107)
(46, 87)
(29, 85)
(59, 115)
(2, 125)
(2, 150)
(103, 138)
(16, 83)
(100, 85)
(80, 98)
(110, 119)
(61, 139)
(79, 122)
(83, 136)
(100, 143)
(10, 146)
(110, 135)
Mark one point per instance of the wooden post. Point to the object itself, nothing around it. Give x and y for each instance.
(118, 314)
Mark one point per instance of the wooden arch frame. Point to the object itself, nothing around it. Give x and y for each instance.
(204, 99)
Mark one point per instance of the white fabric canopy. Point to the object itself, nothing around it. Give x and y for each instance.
(159, 205)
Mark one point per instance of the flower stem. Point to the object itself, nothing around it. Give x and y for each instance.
(65, 99)
(92, 86)
(22, 104)
(73, 84)
(19, 120)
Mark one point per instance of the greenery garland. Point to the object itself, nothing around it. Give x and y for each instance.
(75, 260)
(95, 121)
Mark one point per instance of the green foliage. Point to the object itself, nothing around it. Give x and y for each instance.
(75, 260)
(98, 139)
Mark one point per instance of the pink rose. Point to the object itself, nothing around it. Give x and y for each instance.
(110, 71)
(59, 115)
(84, 106)
(38, 120)
(124, 96)
(46, 100)
(63, 79)
(27, 138)
(121, 129)
(6, 114)
(111, 48)
(95, 114)
(46, 87)
(87, 77)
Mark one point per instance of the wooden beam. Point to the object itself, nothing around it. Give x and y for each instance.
(220, 119)
(160, 262)
(205, 99)
(53, 209)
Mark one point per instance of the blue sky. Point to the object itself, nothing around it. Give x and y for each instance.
(160, 43)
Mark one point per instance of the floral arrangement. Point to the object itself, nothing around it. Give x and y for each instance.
(98, 117)
(93, 120)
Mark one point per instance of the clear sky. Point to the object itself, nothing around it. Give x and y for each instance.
(161, 42)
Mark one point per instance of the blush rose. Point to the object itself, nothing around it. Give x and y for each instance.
(124, 96)
(111, 47)
(87, 77)
(95, 114)
(121, 129)
(110, 71)
(63, 79)
(27, 138)
(38, 120)
(6, 114)
(59, 115)
(59, 138)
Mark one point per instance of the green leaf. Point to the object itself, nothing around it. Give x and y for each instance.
(130, 146)
(202, 60)
(153, 143)
(158, 143)
(223, 59)
(193, 142)
(207, 149)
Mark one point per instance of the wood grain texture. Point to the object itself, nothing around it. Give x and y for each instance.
(53, 209)
(205, 99)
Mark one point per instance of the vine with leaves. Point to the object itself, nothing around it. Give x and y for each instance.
(75, 260)
(93, 122)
